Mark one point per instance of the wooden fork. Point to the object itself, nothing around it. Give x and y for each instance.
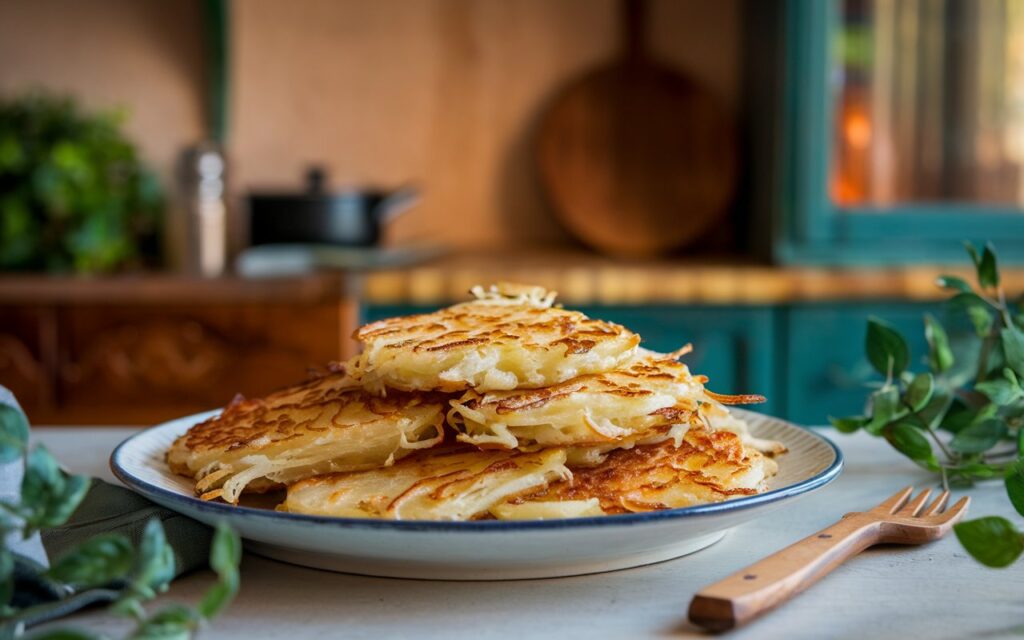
(750, 592)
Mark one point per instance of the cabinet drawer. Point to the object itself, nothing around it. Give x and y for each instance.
(27, 340)
(828, 373)
(123, 364)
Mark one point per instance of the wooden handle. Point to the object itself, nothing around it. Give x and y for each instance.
(750, 592)
(634, 26)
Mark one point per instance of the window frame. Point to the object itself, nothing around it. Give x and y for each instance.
(810, 229)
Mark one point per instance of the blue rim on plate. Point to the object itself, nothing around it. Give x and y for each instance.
(816, 481)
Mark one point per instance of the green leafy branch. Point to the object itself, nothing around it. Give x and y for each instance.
(964, 422)
(48, 498)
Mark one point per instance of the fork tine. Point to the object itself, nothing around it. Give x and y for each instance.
(937, 506)
(957, 510)
(913, 507)
(893, 504)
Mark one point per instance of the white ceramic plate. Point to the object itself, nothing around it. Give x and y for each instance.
(484, 550)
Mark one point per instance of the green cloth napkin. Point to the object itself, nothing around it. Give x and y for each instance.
(107, 508)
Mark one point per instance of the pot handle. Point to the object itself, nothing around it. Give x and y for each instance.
(397, 203)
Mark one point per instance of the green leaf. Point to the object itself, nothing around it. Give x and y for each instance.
(225, 551)
(884, 409)
(935, 411)
(919, 392)
(155, 566)
(170, 623)
(982, 319)
(988, 271)
(13, 433)
(940, 356)
(1010, 376)
(973, 252)
(1013, 349)
(849, 424)
(909, 441)
(977, 310)
(225, 555)
(979, 437)
(96, 562)
(953, 283)
(1015, 485)
(886, 349)
(979, 470)
(958, 417)
(1001, 392)
(992, 541)
(216, 598)
(48, 495)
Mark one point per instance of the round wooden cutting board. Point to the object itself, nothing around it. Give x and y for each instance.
(637, 158)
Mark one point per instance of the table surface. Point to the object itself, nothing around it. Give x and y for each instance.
(936, 591)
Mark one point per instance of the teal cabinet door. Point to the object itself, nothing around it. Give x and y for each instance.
(733, 346)
(825, 368)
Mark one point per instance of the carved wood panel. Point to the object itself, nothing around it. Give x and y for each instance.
(23, 368)
(123, 364)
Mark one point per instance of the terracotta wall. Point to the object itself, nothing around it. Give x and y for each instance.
(442, 93)
(143, 55)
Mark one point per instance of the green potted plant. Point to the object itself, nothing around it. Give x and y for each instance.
(74, 195)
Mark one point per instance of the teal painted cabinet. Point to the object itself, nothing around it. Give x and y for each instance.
(824, 363)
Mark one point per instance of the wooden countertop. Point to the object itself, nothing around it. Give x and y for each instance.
(578, 276)
(163, 288)
(582, 278)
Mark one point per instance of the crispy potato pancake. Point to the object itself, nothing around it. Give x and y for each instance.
(509, 337)
(320, 426)
(452, 484)
(652, 391)
(707, 466)
(718, 418)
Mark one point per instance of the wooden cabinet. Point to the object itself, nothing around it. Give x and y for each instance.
(26, 351)
(154, 349)
(824, 364)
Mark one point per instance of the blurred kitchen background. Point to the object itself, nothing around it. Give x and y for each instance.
(204, 197)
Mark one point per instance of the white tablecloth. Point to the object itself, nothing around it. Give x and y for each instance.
(933, 592)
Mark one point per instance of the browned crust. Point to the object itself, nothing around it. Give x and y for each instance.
(245, 422)
(630, 382)
(473, 324)
(627, 473)
(746, 398)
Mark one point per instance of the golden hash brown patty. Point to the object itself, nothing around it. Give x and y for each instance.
(707, 466)
(510, 337)
(439, 484)
(651, 391)
(320, 426)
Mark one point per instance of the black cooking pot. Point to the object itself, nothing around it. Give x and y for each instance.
(348, 218)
